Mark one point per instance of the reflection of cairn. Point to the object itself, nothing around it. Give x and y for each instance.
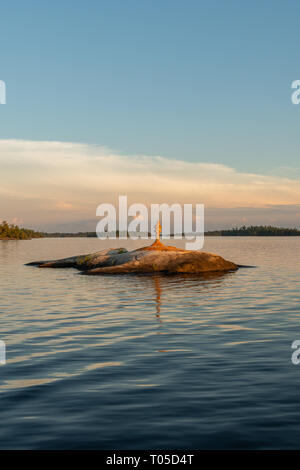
(158, 297)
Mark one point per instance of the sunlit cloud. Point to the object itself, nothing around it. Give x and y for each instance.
(55, 182)
(66, 206)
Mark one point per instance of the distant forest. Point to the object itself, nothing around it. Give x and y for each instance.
(13, 232)
(256, 231)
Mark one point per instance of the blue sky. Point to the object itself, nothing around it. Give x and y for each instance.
(196, 80)
(97, 90)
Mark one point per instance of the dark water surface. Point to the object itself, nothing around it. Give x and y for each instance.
(150, 362)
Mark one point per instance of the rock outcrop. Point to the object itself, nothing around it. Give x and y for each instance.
(150, 259)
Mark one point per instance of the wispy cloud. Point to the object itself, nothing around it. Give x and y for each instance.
(55, 182)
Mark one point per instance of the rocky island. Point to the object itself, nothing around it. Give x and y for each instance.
(150, 259)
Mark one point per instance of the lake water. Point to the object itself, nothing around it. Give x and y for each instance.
(150, 362)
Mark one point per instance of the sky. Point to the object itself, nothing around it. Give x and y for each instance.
(163, 100)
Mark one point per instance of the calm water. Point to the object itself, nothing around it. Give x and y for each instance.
(153, 362)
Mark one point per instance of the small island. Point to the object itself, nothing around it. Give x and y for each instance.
(149, 259)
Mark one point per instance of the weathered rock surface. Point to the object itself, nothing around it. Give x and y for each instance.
(154, 258)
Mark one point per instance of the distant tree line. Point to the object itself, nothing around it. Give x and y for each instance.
(65, 234)
(256, 231)
(13, 232)
(88, 234)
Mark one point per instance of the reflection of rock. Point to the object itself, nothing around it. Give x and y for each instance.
(158, 296)
(154, 258)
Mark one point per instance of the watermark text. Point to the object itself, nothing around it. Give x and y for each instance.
(133, 221)
(2, 92)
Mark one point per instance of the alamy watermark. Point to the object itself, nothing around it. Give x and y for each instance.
(295, 97)
(2, 353)
(296, 354)
(2, 92)
(133, 222)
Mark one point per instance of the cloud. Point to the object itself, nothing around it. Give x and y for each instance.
(66, 206)
(59, 182)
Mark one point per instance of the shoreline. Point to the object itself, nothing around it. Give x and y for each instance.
(138, 239)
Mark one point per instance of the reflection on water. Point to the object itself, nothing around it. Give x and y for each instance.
(150, 361)
(158, 296)
(161, 281)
